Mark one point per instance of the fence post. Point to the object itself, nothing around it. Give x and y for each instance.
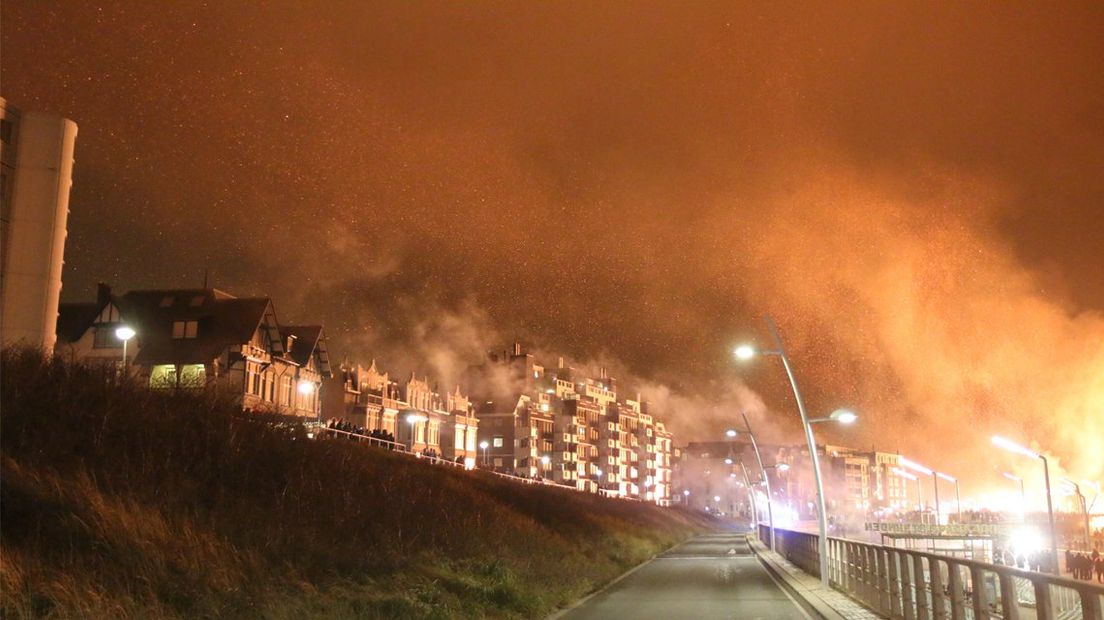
(1090, 605)
(1010, 604)
(981, 595)
(895, 593)
(958, 602)
(1044, 604)
(939, 595)
(884, 596)
(920, 584)
(907, 591)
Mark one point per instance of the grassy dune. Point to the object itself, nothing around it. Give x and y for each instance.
(120, 502)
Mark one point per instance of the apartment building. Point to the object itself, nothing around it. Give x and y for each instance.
(559, 424)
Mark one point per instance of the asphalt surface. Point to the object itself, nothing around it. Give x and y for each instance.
(712, 577)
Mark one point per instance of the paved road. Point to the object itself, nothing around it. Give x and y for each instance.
(712, 577)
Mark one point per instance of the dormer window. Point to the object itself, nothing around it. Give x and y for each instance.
(166, 301)
(185, 329)
(197, 301)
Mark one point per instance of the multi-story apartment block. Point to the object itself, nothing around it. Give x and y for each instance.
(193, 338)
(557, 424)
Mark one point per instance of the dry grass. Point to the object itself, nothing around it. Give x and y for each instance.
(119, 502)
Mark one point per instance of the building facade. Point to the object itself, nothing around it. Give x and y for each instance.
(200, 338)
(36, 173)
(559, 424)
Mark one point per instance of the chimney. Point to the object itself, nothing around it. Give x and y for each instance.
(517, 348)
(602, 373)
(103, 293)
(561, 362)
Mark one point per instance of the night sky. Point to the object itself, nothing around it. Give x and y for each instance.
(913, 191)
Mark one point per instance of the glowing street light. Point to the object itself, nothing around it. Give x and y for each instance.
(306, 388)
(413, 419)
(746, 352)
(484, 445)
(842, 416)
(730, 433)
(125, 333)
(1016, 448)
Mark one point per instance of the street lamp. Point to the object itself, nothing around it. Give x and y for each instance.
(1023, 494)
(413, 419)
(907, 476)
(1084, 510)
(484, 445)
(1012, 446)
(917, 467)
(759, 458)
(746, 352)
(958, 498)
(843, 416)
(125, 333)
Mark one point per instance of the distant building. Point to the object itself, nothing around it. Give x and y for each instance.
(36, 173)
(559, 425)
(414, 412)
(193, 338)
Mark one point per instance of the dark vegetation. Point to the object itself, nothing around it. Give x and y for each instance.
(116, 501)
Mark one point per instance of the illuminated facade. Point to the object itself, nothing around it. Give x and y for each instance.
(192, 338)
(414, 412)
(558, 425)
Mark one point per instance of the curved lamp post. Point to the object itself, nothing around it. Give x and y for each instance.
(1076, 488)
(958, 497)
(1012, 446)
(746, 352)
(917, 467)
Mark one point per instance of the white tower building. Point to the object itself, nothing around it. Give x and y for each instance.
(36, 172)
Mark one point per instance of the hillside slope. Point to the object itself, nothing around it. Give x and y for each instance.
(120, 502)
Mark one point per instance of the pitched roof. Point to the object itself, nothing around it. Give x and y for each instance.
(308, 341)
(75, 319)
(222, 319)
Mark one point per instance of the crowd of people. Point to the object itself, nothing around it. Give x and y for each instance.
(376, 433)
(1082, 565)
(1037, 560)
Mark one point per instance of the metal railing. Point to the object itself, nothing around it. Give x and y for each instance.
(403, 449)
(917, 585)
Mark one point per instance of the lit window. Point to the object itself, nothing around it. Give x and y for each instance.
(193, 375)
(163, 376)
(497, 441)
(185, 329)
